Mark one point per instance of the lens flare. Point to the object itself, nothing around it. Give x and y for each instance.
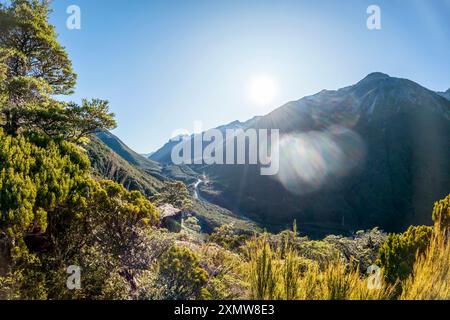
(311, 160)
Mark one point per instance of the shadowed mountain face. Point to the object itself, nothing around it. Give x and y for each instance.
(373, 154)
(445, 94)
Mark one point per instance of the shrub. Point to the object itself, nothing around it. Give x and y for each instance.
(398, 254)
(227, 237)
(262, 271)
(181, 276)
(430, 278)
(441, 215)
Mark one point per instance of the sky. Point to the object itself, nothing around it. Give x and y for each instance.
(165, 65)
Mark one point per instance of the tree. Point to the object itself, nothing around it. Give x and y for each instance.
(34, 50)
(3, 69)
(67, 121)
(33, 67)
(52, 212)
(108, 231)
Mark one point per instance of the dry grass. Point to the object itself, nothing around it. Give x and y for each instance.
(431, 273)
(274, 276)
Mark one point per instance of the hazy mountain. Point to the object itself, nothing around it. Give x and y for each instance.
(147, 155)
(372, 154)
(163, 155)
(445, 94)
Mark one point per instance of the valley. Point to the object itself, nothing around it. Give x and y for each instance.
(365, 160)
(373, 160)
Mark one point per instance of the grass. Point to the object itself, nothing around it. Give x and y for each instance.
(275, 274)
(430, 279)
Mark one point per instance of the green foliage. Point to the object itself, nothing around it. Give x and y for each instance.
(226, 273)
(262, 269)
(227, 237)
(54, 215)
(441, 214)
(181, 275)
(68, 122)
(291, 268)
(361, 249)
(34, 66)
(430, 278)
(176, 194)
(213, 216)
(276, 272)
(34, 50)
(35, 178)
(192, 224)
(3, 70)
(106, 164)
(398, 254)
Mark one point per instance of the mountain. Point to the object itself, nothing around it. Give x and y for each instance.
(445, 94)
(147, 155)
(129, 155)
(107, 164)
(163, 155)
(371, 154)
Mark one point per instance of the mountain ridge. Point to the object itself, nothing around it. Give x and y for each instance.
(445, 94)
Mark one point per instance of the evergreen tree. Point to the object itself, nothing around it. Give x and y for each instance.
(33, 67)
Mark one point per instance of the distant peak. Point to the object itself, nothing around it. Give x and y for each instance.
(235, 122)
(376, 76)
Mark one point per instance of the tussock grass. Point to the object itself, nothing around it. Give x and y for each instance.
(275, 274)
(430, 279)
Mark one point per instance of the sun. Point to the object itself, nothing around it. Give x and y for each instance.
(263, 90)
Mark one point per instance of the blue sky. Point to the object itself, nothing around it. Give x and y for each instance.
(165, 64)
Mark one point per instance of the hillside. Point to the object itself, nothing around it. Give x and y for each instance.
(129, 155)
(107, 164)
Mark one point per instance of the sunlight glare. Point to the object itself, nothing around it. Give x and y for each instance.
(263, 90)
